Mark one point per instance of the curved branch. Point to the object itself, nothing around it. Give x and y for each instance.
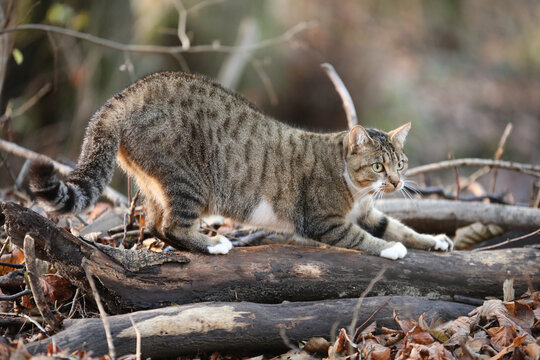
(158, 49)
(529, 169)
(348, 105)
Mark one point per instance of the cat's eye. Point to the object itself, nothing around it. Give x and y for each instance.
(400, 165)
(378, 167)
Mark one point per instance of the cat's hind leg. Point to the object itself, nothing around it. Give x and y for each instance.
(179, 227)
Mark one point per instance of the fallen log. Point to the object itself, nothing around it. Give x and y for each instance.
(242, 327)
(131, 280)
(445, 216)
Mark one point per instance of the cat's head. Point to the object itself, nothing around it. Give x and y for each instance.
(375, 161)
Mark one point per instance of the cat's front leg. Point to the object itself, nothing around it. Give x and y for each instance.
(346, 234)
(388, 228)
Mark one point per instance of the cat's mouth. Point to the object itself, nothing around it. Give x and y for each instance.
(389, 188)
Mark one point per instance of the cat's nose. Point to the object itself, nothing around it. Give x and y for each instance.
(395, 183)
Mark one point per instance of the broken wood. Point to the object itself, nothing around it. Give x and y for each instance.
(445, 216)
(242, 327)
(133, 280)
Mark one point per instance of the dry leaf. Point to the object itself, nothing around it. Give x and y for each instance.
(317, 345)
(375, 351)
(15, 257)
(517, 341)
(97, 210)
(406, 326)
(502, 336)
(419, 336)
(55, 288)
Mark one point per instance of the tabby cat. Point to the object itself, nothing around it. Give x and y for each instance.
(195, 148)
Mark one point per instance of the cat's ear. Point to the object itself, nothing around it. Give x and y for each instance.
(398, 135)
(357, 137)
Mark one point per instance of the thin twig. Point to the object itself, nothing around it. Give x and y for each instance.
(8, 264)
(158, 49)
(508, 241)
(498, 154)
(202, 5)
(182, 20)
(104, 316)
(361, 299)
(17, 150)
(370, 317)
(348, 105)
(456, 176)
(286, 340)
(22, 174)
(74, 304)
(15, 296)
(132, 208)
(529, 169)
(138, 334)
(29, 319)
(35, 285)
(4, 246)
(32, 100)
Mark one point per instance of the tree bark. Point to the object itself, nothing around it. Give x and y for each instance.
(242, 327)
(131, 280)
(445, 216)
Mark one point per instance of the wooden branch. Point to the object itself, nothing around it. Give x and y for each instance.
(348, 105)
(35, 286)
(239, 327)
(157, 49)
(445, 216)
(15, 149)
(532, 170)
(134, 280)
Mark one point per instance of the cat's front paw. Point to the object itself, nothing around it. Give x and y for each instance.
(443, 243)
(394, 252)
(222, 247)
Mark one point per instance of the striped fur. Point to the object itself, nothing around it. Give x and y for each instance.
(195, 148)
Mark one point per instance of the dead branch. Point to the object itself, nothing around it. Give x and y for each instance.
(445, 216)
(348, 105)
(498, 154)
(134, 280)
(18, 150)
(239, 327)
(35, 286)
(103, 315)
(15, 296)
(158, 49)
(529, 169)
(439, 191)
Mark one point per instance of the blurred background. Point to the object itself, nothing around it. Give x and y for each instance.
(458, 70)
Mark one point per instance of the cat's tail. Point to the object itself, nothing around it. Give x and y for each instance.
(93, 172)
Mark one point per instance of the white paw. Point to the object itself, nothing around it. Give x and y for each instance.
(222, 247)
(443, 243)
(396, 251)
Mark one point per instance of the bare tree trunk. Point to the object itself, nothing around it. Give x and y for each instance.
(133, 280)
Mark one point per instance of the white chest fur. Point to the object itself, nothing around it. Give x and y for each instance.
(264, 216)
